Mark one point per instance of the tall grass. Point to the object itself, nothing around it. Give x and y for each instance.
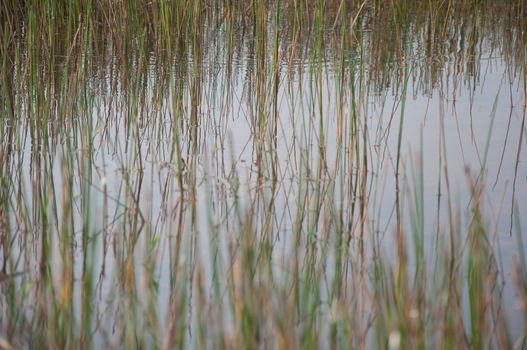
(219, 174)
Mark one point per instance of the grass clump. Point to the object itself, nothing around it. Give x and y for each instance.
(237, 174)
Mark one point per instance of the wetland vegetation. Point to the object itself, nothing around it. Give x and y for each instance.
(263, 174)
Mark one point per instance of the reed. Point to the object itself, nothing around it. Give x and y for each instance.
(237, 174)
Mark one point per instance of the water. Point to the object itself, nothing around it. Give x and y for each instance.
(155, 178)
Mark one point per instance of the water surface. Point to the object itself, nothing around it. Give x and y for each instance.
(254, 177)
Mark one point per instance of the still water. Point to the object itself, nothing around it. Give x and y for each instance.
(156, 174)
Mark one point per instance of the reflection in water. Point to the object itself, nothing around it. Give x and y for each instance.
(266, 184)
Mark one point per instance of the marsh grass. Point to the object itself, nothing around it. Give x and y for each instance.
(134, 214)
